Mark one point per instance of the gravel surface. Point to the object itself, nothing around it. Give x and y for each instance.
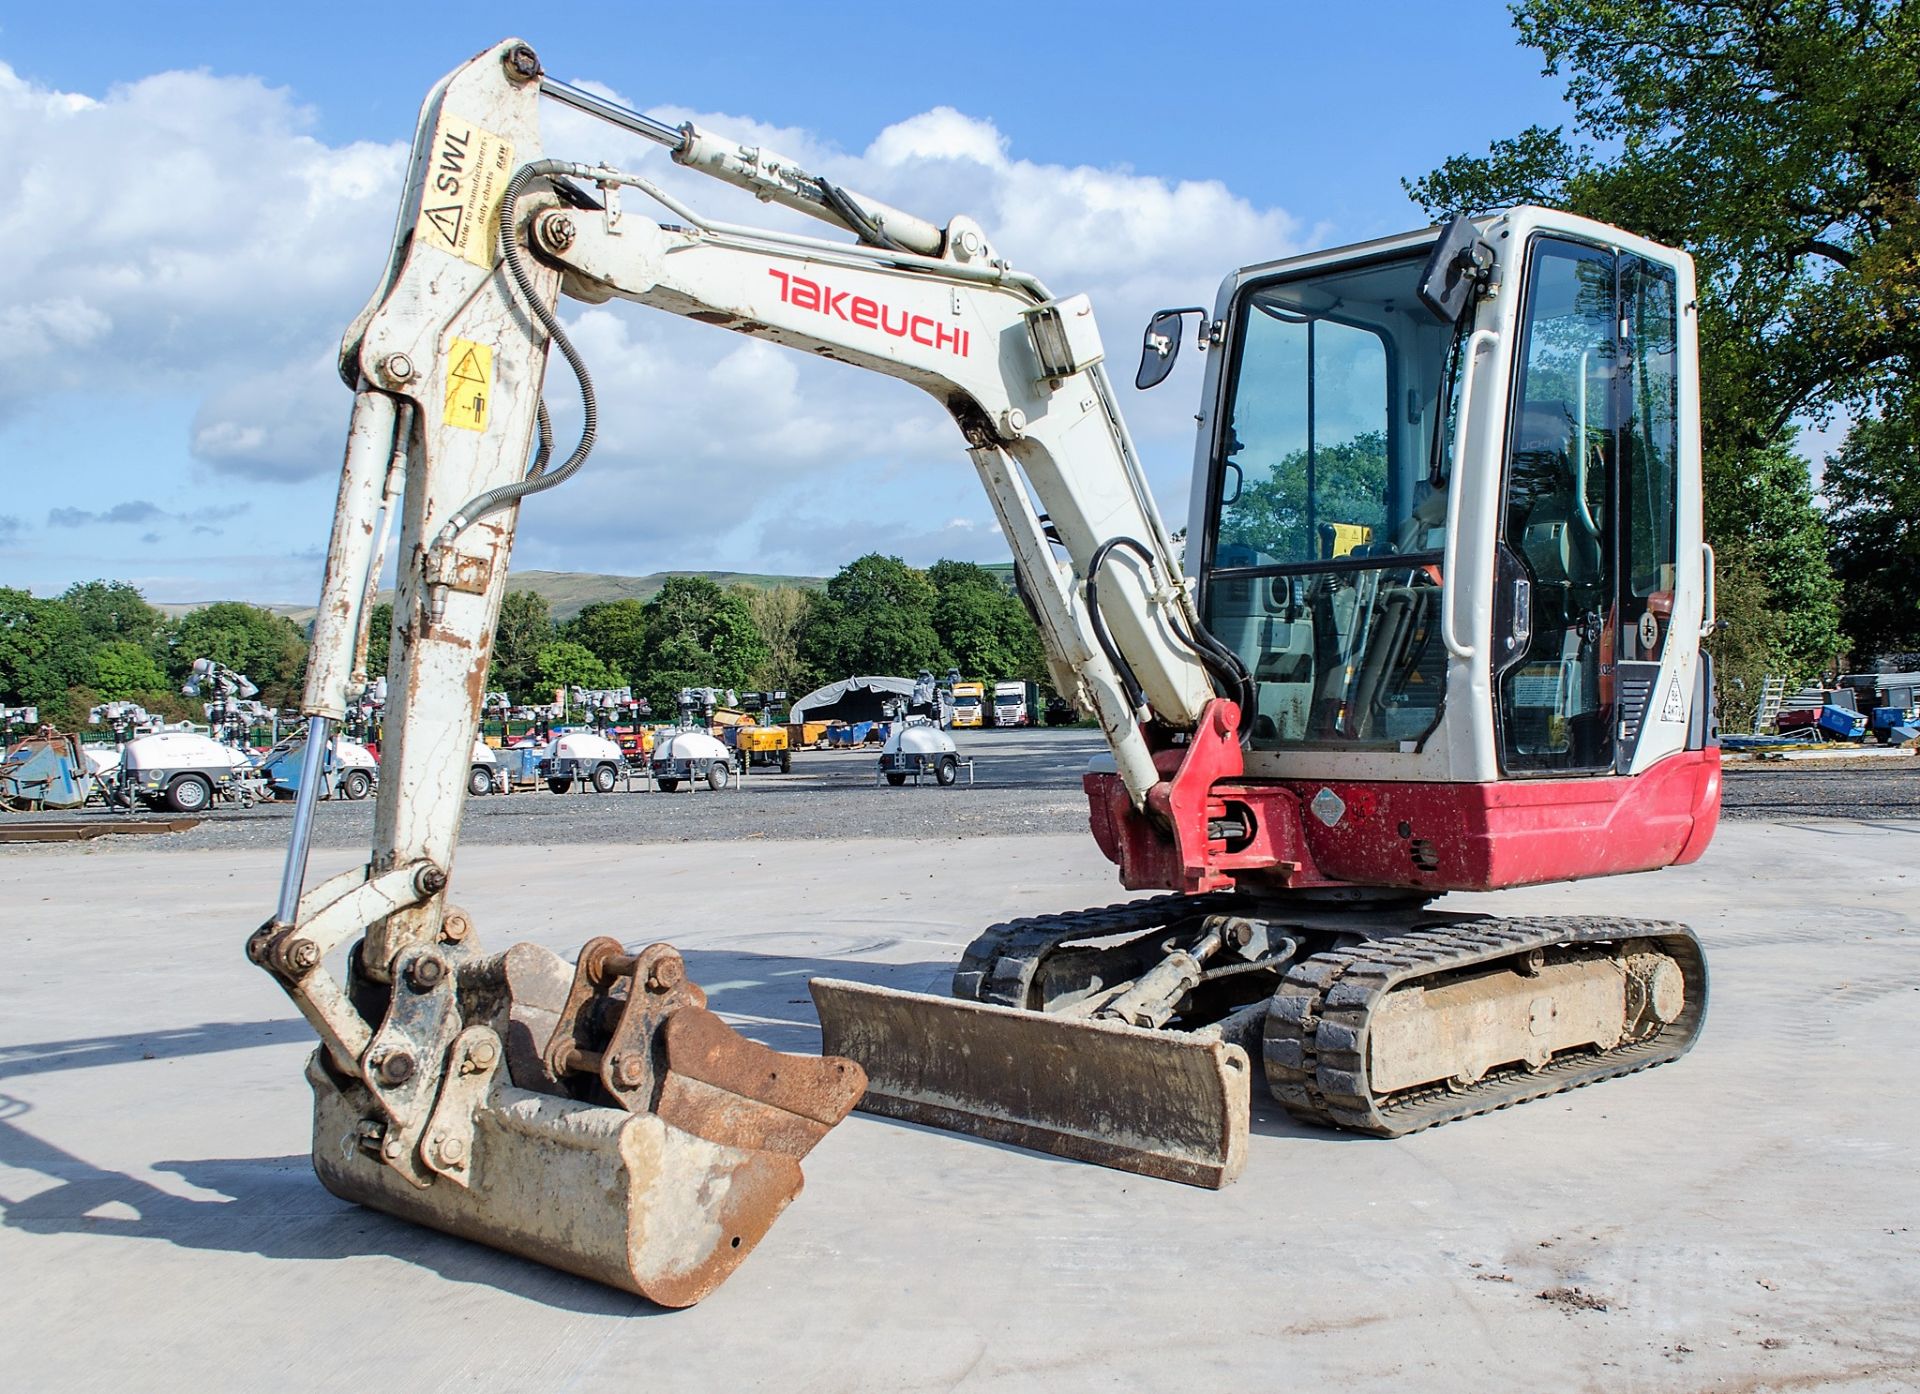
(1779, 791)
(1025, 782)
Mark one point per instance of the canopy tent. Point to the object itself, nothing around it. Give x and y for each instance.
(854, 699)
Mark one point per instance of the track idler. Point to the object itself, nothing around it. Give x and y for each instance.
(597, 1118)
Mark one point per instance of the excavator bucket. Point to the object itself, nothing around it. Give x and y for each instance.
(614, 1128)
(1166, 1104)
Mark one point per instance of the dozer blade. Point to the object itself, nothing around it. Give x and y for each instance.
(1160, 1103)
(659, 1185)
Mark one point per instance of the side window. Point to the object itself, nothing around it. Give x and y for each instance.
(1307, 472)
(1650, 455)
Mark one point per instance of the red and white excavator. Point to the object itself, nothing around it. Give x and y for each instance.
(1437, 629)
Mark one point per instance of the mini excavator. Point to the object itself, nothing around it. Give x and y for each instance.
(1436, 628)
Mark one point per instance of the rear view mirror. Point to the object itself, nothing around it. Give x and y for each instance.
(1460, 265)
(1160, 346)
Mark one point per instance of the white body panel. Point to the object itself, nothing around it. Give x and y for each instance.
(181, 750)
(689, 745)
(585, 748)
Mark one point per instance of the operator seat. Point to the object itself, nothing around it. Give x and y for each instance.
(1546, 516)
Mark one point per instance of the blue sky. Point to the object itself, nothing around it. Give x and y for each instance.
(204, 195)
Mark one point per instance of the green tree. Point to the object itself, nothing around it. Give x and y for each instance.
(525, 628)
(564, 664)
(616, 631)
(985, 630)
(1872, 486)
(876, 617)
(268, 648)
(1777, 600)
(110, 610)
(697, 635)
(779, 614)
(1779, 142)
(121, 669)
(379, 639)
(43, 649)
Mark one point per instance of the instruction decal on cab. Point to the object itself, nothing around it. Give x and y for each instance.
(466, 183)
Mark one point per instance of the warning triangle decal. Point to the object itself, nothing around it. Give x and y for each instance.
(446, 222)
(468, 367)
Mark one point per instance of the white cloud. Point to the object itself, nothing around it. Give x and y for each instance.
(176, 235)
(187, 235)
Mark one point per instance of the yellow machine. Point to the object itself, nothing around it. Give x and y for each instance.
(763, 745)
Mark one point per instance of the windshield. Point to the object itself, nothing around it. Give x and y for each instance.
(966, 699)
(1329, 505)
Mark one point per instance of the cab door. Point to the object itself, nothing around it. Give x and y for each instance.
(1586, 571)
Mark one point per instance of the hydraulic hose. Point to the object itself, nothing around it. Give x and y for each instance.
(855, 217)
(1220, 661)
(538, 478)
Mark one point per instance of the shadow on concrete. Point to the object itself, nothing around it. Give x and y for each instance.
(273, 1207)
(85, 1052)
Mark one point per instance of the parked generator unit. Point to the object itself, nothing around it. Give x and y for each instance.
(351, 770)
(184, 772)
(918, 747)
(684, 756)
(582, 755)
(766, 746)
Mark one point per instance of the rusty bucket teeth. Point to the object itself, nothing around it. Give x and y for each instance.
(662, 1194)
(1160, 1103)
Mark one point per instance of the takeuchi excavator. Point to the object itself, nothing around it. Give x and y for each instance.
(1436, 628)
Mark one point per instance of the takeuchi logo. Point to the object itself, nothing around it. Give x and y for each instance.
(871, 314)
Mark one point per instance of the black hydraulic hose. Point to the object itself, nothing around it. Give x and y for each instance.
(1136, 695)
(537, 479)
(1222, 663)
(856, 217)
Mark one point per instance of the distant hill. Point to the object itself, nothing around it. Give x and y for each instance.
(567, 592)
(570, 592)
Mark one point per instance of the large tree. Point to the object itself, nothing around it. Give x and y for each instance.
(121, 669)
(1872, 485)
(698, 635)
(616, 631)
(43, 650)
(525, 628)
(876, 617)
(115, 610)
(268, 648)
(1779, 142)
(984, 630)
(779, 613)
(564, 665)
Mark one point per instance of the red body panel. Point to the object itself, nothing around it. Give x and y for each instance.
(1426, 837)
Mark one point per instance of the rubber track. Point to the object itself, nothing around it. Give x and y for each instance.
(1316, 1031)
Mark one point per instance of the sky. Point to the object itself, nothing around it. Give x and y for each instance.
(202, 197)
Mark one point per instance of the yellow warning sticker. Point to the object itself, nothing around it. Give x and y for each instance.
(469, 385)
(466, 182)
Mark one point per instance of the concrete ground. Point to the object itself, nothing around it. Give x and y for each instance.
(1748, 1218)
